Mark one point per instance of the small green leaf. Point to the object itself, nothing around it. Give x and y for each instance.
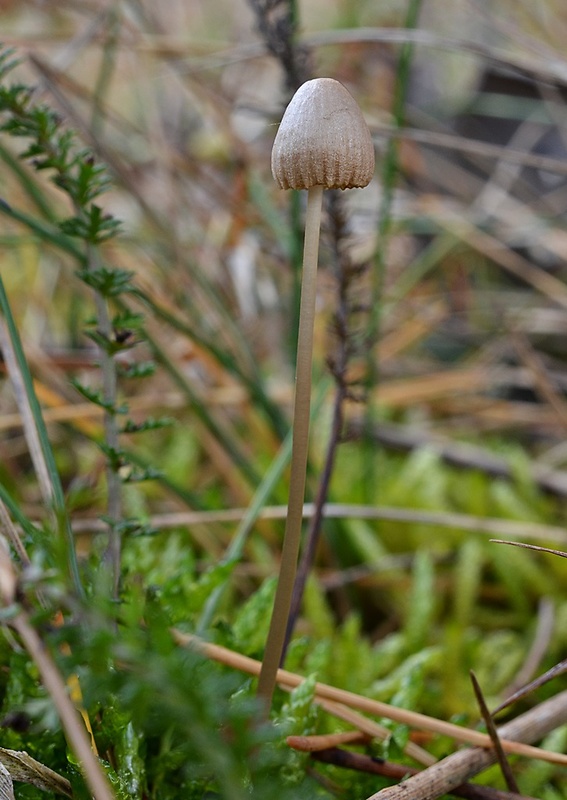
(108, 282)
(143, 369)
(149, 424)
(96, 397)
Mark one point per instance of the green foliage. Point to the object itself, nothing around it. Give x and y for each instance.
(430, 601)
(250, 626)
(108, 282)
(96, 397)
(298, 717)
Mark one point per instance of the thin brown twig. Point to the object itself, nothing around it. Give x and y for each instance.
(374, 730)
(553, 71)
(277, 25)
(461, 144)
(71, 721)
(413, 719)
(456, 769)
(488, 526)
(9, 530)
(554, 672)
(75, 731)
(542, 380)
(493, 733)
(512, 262)
(364, 763)
(532, 547)
(316, 743)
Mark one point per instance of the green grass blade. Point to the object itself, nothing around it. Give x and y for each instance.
(45, 232)
(27, 182)
(17, 514)
(57, 498)
(199, 408)
(253, 383)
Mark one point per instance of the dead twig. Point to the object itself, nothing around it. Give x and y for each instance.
(277, 23)
(415, 720)
(467, 522)
(554, 672)
(456, 769)
(364, 763)
(493, 733)
(314, 744)
(373, 730)
(532, 547)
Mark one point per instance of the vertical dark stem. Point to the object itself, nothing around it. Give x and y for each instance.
(390, 168)
(112, 555)
(278, 21)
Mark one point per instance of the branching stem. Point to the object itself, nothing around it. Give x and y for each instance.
(112, 554)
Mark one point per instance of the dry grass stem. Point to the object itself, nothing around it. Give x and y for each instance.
(493, 733)
(460, 144)
(441, 778)
(363, 763)
(528, 727)
(310, 744)
(467, 522)
(546, 618)
(519, 694)
(374, 730)
(26, 414)
(71, 721)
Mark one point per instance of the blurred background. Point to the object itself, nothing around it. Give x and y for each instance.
(442, 312)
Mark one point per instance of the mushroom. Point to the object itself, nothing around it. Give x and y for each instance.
(322, 143)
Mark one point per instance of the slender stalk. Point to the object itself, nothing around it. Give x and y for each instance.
(338, 365)
(112, 554)
(72, 723)
(505, 767)
(292, 536)
(312, 538)
(36, 433)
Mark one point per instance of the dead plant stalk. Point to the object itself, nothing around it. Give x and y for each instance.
(323, 691)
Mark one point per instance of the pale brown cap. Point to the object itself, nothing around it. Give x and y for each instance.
(323, 140)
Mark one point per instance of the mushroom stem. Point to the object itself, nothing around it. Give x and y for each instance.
(300, 447)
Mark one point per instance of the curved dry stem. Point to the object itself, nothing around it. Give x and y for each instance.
(292, 536)
(75, 731)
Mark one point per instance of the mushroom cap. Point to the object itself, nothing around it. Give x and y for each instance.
(323, 140)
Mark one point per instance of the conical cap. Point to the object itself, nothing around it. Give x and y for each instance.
(323, 140)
